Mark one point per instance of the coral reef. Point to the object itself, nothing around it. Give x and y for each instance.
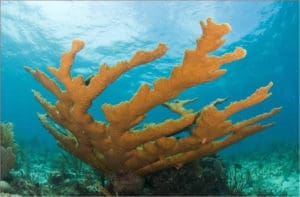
(206, 176)
(54, 177)
(8, 148)
(271, 171)
(117, 148)
(209, 172)
(248, 173)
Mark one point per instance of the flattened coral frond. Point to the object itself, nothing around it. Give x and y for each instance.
(107, 75)
(211, 125)
(156, 131)
(212, 120)
(197, 68)
(258, 96)
(66, 140)
(46, 81)
(63, 72)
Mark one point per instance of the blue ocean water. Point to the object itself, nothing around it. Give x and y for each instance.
(35, 33)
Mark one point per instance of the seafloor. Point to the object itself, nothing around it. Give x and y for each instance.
(273, 171)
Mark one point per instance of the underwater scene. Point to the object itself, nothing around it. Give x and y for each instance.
(144, 98)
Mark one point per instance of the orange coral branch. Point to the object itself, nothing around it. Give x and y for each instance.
(118, 148)
(182, 77)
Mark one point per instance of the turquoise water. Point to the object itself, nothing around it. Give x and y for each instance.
(35, 34)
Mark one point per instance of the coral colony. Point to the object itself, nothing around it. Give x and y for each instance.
(116, 148)
(8, 149)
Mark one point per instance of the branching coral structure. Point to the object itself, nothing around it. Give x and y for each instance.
(118, 148)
